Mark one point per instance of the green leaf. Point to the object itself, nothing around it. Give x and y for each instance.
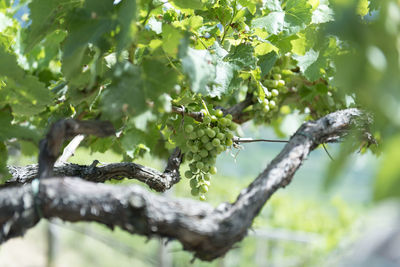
(126, 15)
(294, 18)
(310, 64)
(387, 182)
(23, 92)
(189, 4)
(125, 96)
(46, 17)
(171, 39)
(199, 67)
(266, 62)
(323, 13)
(4, 174)
(242, 56)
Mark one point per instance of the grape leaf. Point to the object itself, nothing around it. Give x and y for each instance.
(46, 16)
(192, 4)
(266, 62)
(323, 13)
(294, 18)
(198, 65)
(242, 56)
(310, 64)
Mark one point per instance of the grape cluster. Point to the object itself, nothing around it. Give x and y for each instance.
(273, 85)
(206, 140)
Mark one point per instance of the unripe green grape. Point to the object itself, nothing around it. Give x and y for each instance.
(213, 170)
(274, 92)
(272, 104)
(203, 153)
(210, 133)
(203, 188)
(280, 83)
(219, 113)
(189, 143)
(193, 167)
(206, 183)
(207, 176)
(233, 126)
(196, 157)
(199, 165)
(266, 107)
(192, 135)
(216, 142)
(194, 191)
(202, 197)
(207, 119)
(189, 156)
(277, 76)
(213, 118)
(229, 116)
(194, 149)
(204, 139)
(229, 135)
(223, 121)
(228, 142)
(276, 69)
(213, 152)
(287, 72)
(265, 102)
(206, 168)
(188, 174)
(193, 183)
(220, 148)
(216, 130)
(189, 128)
(200, 132)
(221, 136)
(209, 146)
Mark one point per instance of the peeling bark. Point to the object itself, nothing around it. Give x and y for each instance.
(206, 231)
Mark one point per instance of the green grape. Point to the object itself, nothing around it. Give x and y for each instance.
(219, 113)
(276, 69)
(213, 153)
(265, 102)
(233, 126)
(207, 176)
(266, 107)
(223, 121)
(216, 130)
(221, 136)
(206, 168)
(202, 197)
(203, 188)
(193, 183)
(189, 156)
(203, 153)
(277, 76)
(204, 139)
(193, 167)
(280, 83)
(287, 72)
(200, 132)
(229, 116)
(213, 118)
(199, 165)
(272, 104)
(220, 149)
(207, 119)
(189, 128)
(213, 170)
(194, 149)
(192, 135)
(210, 133)
(196, 157)
(188, 174)
(209, 146)
(229, 135)
(216, 142)
(228, 142)
(274, 92)
(194, 192)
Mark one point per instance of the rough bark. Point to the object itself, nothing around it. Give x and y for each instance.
(156, 180)
(206, 231)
